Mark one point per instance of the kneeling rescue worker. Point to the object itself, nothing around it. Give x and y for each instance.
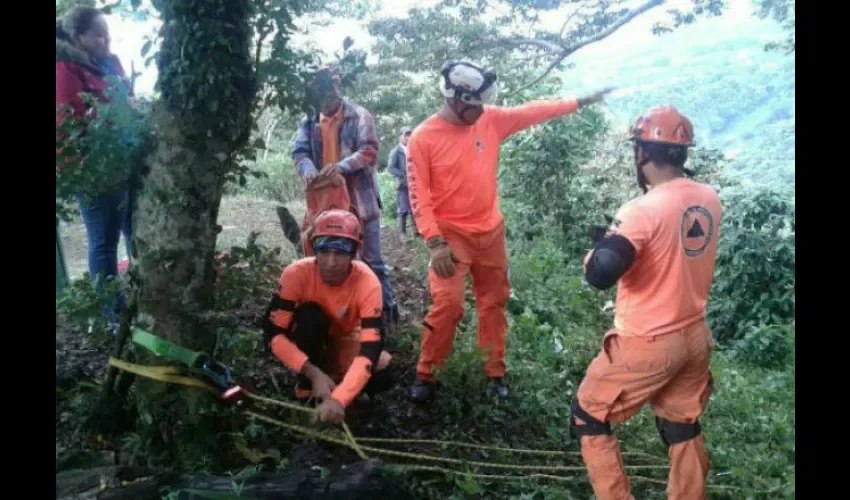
(324, 322)
(661, 248)
(452, 159)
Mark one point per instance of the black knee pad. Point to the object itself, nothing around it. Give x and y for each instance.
(591, 426)
(312, 316)
(674, 432)
(309, 331)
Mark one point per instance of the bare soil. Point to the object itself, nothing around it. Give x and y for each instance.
(238, 217)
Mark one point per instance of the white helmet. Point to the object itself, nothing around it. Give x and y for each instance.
(468, 83)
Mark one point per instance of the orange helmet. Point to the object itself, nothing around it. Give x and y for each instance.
(663, 125)
(334, 224)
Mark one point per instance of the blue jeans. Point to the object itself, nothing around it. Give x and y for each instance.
(371, 255)
(106, 217)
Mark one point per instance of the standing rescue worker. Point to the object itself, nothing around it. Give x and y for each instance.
(324, 322)
(452, 159)
(397, 166)
(340, 140)
(660, 250)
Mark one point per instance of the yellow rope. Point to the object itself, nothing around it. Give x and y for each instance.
(553, 453)
(352, 441)
(168, 374)
(419, 456)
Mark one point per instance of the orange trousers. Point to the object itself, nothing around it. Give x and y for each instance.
(671, 373)
(485, 257)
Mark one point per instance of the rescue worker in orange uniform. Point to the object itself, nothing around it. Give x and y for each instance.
(660, 251)
(451, 171)
(324, 322)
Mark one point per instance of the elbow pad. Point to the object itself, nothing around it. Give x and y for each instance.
(611, 258)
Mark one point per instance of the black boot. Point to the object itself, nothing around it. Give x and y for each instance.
(498, 387)
(421, 391)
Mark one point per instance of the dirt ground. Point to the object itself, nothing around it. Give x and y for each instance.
(238, 217)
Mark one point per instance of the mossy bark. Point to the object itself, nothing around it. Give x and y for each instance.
(202, 119)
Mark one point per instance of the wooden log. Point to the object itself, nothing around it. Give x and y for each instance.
(358, 480)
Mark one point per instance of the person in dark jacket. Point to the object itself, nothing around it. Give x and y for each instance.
(397, 166)
(340, 137)
(83, 65)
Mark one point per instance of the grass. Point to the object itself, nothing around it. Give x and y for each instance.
(555, 328)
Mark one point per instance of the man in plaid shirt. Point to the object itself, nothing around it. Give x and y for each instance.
(341, 137)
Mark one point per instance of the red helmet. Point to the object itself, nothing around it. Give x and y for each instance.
(339, 223)
(663, 125)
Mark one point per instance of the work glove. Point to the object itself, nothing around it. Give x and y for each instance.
(442, 258)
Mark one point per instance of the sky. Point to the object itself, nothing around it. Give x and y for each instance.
(129, 36)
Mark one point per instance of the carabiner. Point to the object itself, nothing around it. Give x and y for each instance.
(219, 373)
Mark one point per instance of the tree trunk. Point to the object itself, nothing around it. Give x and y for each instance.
(201, 121)
(267, 135)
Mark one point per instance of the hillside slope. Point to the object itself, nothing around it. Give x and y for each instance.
(741, 98)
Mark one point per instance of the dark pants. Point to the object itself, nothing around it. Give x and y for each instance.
(310, 327)
(372, 255)
(106, 217)
(403, 204)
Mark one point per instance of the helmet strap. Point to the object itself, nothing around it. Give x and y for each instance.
(640, 162)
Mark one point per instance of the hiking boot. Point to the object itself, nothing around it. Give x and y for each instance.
(421, 391)
(498, 387)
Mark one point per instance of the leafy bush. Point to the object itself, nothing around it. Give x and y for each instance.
(767, 346)
(386, 187)
(756, 261)
(98, 154)
(273, 177)
(80, 306)
(247, 277)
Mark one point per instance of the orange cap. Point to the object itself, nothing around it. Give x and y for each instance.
(663, 125)
(337, 222)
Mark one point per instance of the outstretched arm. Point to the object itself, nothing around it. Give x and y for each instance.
(371, 343)
(510, 120)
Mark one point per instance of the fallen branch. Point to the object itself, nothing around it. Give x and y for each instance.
(359, 480)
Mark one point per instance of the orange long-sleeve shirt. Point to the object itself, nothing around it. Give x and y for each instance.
(354, 307)
(451, 169)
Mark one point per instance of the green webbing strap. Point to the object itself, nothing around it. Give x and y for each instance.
(166, 349)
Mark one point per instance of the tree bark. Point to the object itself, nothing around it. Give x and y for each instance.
(201, 121)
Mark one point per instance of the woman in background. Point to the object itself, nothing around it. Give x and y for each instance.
(84, 64)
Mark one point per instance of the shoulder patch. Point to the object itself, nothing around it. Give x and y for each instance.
(696, 231)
